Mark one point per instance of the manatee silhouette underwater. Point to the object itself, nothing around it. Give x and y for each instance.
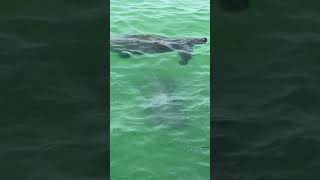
(127, 45)
(161, 105)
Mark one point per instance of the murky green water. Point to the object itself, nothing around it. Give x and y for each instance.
(53, 100)
(52, 92)
(267, 92)
(160, 109)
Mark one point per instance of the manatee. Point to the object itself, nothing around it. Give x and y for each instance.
(161, 106)
(127, 45)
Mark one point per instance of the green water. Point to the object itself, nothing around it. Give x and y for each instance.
(53, 90)
(159, 109)
(267, 92)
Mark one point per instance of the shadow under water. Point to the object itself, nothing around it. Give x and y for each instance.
(162, 107)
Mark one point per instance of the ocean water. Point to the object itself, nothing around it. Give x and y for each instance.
(266, 92)
(53, 90)
(160, 110)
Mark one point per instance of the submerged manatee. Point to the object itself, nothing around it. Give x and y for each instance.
(140, 44)
(161, 105)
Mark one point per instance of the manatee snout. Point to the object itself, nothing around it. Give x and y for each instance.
(199, 40)
(204, 40)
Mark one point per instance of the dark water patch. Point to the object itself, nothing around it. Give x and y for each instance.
(266, 117)
(53, 99)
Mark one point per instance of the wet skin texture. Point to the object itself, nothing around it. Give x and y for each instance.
(139, 44)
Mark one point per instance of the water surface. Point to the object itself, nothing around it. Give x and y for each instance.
(160, 109)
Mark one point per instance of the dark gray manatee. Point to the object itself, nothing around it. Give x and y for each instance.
(140, 44)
